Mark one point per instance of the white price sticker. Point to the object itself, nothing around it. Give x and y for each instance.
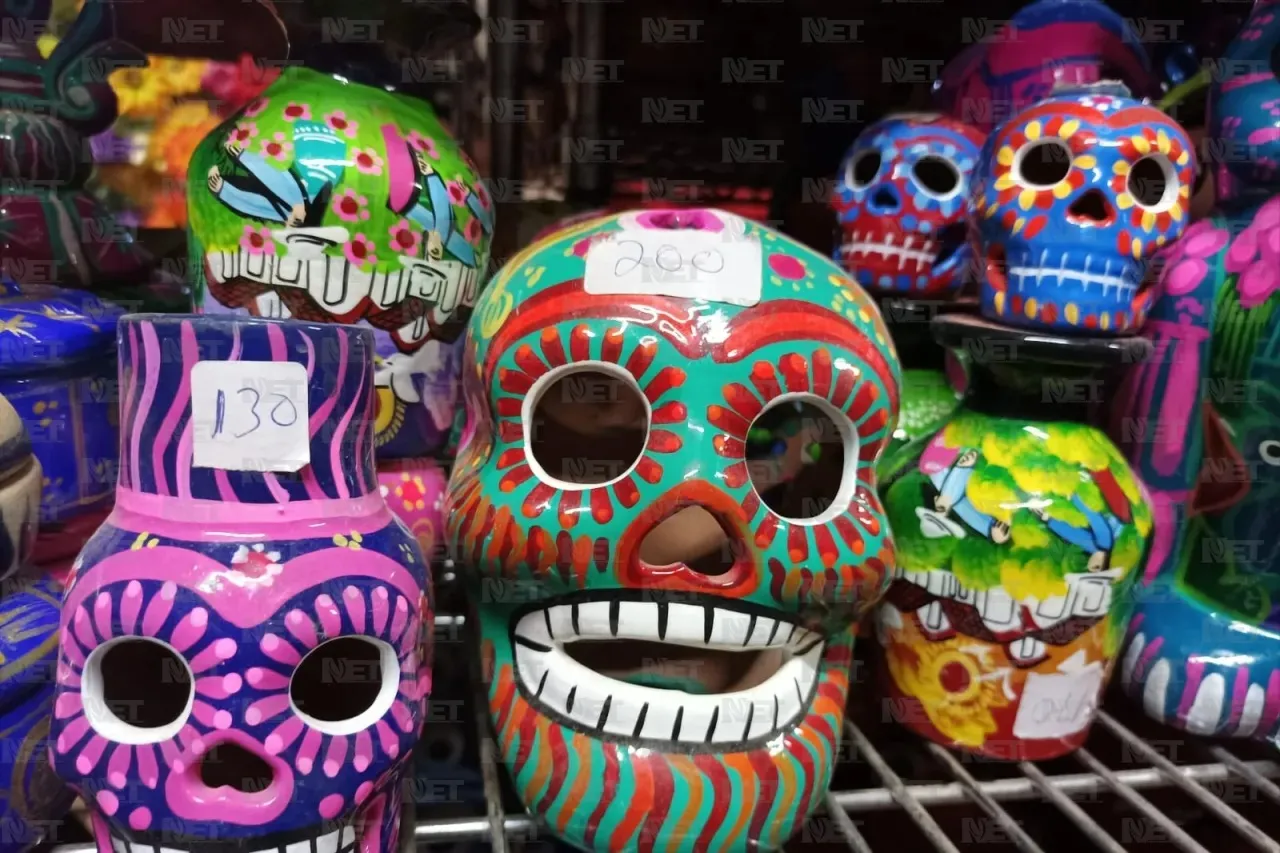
(688, 264)
(1058, 705)
(250, 415)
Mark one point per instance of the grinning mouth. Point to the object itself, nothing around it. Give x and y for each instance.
(1114, 278)
(893, 260)
(330, 837)
(695, 671)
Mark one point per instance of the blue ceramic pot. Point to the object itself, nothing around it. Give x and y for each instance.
(58, 369)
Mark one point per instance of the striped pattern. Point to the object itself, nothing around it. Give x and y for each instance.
(157, 353)
(602, 795)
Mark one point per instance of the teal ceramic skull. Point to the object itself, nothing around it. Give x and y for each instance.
(666, 503)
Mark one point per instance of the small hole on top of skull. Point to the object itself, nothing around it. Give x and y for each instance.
(1044, 163)
(795, 457)
(232, 766)
(144, 683)
(588, 427)
(1148, 181)
(864, 168)
(936, 174)
(338, 679)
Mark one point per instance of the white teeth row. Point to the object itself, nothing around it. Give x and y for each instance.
(884, 247)
(1088, 596)
(605, 705)
(1023, 651)
(696, 625)
(1021, 275)
(339, 841)
(339, 287)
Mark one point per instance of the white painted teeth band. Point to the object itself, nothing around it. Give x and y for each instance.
(886, 248)
(598, 703)
(338, 841)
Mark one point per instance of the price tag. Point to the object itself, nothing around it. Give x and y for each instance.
(1058, 704)
(687, 264)
(250, 415)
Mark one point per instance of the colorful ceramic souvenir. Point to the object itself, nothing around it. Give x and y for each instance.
(31, 797)
(1074, 195)
(58, 369)
(1019, 529)
(414, 489)
(330, 201)
(1200, 428)
(1012, 64)
(667, 601)
(246, 641)
(902, 201)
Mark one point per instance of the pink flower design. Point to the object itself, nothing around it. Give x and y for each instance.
(257, 241)
(350, 206)
(359, 250)
(404, 239)
(257, 563)
(368, 161)
(482, 193)
(425, 144)
(473, 232)
(255, 109)
(243, 133)
(457, 192)
(1255, 256)
(278, 147)
(341, 124)
(1184, 263)
(297, 112)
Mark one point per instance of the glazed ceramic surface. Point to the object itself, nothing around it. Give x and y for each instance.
(1046, 44)
(902, 203)
(330, 201)
(1074, 196)
(57, 368)
(414, 489)
(664, 757)
(1205, 650)
(244, 652)
(1018, 533)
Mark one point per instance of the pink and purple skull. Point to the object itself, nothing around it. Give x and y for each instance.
(244, 658)
(902, 200)
(1073, 197)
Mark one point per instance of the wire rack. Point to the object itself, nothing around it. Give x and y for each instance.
(1153, 791)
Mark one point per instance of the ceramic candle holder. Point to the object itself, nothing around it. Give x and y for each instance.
(245, 642)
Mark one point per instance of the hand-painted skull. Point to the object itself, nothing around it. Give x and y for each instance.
(1244, 115)
(666, 500)
(1073, 197)
(328, 201)
(902, 202)
(244, 654)
(1046, 44)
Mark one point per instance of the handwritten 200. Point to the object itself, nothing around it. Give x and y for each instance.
(667, 258)
(284, 413)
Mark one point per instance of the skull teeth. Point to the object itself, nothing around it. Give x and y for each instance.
(884, 246)
(594, 702)
(343, 840)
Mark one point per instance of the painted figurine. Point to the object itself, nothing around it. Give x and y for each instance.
(668, 606)
(902, 203)
(31, 796)
(1013, 64)
(1074, 196)
(1200, 428)
(245, 643)
(1020, 528)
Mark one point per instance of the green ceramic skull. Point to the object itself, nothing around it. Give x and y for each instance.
(331, 201)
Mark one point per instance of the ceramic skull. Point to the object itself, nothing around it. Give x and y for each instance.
(244, 653)
(902, 203)
(667, 583)
(1074, 196)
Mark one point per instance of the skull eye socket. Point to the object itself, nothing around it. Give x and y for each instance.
(585, 425)
(136, 690)
(1043, 163)
(1152, 182)
(345, 685)
(937, 175)
(801, 457)
(863, 168)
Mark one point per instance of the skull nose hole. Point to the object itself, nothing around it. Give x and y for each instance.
(885, 200)
(1092, 207)
(694, 537)
(229, 765)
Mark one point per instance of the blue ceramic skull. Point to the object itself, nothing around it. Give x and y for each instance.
(1073, 197)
